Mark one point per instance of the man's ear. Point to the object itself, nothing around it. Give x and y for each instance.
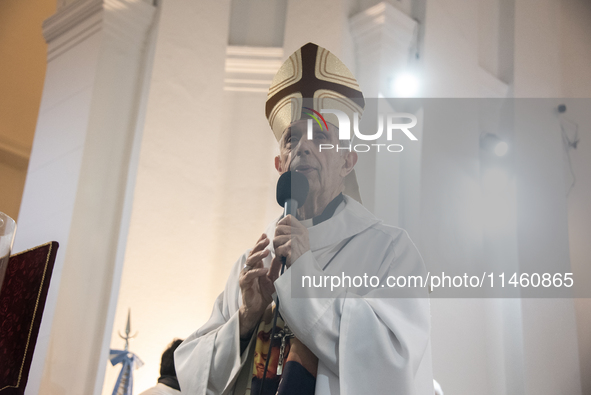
(350, 161)
(278, 164)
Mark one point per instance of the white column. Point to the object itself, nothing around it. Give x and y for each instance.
(179, 224)
(550, 346)
(77, 180)
(385, 45)
(537, 49)
(384, 38)
(249, 154)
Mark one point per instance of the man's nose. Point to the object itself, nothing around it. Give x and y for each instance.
(304, 147)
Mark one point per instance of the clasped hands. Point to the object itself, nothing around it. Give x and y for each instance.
(256, 282)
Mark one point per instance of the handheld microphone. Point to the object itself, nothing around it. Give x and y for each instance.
(292, 191)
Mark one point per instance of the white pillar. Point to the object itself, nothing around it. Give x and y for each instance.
(537, 49)
(173, 271)
(385, 45)
(551, 354)
(550, 346)
(384, 38)
(77, 181)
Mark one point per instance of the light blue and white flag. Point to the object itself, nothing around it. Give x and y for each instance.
(129, 361)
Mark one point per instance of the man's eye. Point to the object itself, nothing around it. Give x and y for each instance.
(319, 136)
(292, 140)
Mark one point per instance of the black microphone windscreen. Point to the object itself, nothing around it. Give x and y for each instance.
(292, 185)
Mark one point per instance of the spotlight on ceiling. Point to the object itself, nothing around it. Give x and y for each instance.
(405, 85)
(492, 143)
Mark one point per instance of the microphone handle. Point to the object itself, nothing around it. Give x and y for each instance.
(290, 207)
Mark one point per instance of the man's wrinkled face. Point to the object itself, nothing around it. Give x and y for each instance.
(326, 169)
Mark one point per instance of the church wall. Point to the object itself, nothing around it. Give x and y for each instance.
(537, 68)
(76, 182)
(52, 178)
(386, 45)
(515, 356)
(450, 49)
(247, 202)
(549, 326)
(171, 274)
(257, 23)
(523, 354)
(579, 227)
(576, 82)
(327, 26)
(538, 73)
(21, 83)
(449, 182)
(12, 180)
(574, 52)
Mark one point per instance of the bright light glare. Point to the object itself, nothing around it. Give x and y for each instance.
(501, 148)
(406, 85)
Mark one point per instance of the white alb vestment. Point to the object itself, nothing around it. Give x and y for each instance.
(366, 344)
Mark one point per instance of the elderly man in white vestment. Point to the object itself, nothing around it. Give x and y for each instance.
(353, 341)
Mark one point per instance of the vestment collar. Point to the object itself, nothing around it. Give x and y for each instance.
(351, 220)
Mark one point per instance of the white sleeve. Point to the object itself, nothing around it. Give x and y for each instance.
(381, 338)
(209, 360)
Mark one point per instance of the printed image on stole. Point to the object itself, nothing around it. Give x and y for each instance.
(263, 340)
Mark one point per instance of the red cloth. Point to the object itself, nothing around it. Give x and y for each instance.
(22, 300)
